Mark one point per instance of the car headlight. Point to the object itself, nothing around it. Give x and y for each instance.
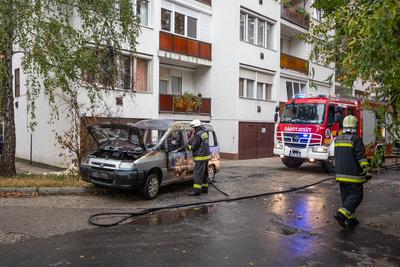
(320, 149)
(126, 165)
(278, 145)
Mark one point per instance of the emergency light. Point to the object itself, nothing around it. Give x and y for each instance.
(299, 96)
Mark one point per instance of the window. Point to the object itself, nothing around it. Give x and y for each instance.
(294, 88)
(242, 26)
(250, 89)
(192, 27)
(163, 86)
(270, 36)
(179, 23)
(142, 11)
(17, 89)
(165, 19)
(241, 87)
(125, 72)
(255, 85)
(176, 85)
(122, 71)
(261, 33)
(141, 75)
(256, 30)
(268, 91)
(260, 90)
(250, 29)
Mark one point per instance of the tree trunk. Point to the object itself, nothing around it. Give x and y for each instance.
(7, 162)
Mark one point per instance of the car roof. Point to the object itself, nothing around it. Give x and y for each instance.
(165, 124)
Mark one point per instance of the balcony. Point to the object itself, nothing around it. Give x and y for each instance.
(169, 104)
(294, 63)
(207, 2)
(292, 15)
(184, 46)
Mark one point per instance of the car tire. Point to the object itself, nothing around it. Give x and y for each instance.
(292, 163)
(329, 166)
(151, 186)
(211, 173)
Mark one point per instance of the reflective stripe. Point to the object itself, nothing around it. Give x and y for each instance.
(351, 180)
(343, 145)
(197, 186)
(346, 213)
(204, 136)
(363, 162)
(202, 158)
(204, 185)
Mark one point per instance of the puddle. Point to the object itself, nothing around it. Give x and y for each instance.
(172, 216)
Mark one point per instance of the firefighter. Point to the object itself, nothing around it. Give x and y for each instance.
(201, 155)
(351, 171)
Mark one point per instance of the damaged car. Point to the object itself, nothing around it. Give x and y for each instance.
(145, 155)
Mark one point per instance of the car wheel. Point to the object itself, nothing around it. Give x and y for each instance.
(292, 163)
(211, 173)
(151, 186)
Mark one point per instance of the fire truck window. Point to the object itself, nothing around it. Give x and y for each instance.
(331, 114)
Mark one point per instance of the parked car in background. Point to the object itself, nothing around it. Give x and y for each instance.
(145, 155)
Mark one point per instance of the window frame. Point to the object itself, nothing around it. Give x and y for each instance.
(302, 86)
(17, 82)
(266, 90)
(268, 28)
(172, 21)
(135, 11)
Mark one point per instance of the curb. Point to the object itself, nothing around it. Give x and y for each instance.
(50, 190)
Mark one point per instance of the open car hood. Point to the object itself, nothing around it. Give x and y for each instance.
(105, 133)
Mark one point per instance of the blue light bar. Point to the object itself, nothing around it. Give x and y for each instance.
(299, 96)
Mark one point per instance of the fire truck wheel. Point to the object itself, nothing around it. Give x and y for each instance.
(292, 162)
(328, 166)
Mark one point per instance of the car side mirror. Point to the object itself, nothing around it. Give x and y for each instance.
(276, 117)
(277, 109)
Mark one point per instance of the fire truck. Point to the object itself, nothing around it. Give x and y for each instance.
(308, 128)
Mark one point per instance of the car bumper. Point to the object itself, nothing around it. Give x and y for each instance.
(304, 153)
(112, 178)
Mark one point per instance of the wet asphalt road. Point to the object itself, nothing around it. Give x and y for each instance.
(294, 229)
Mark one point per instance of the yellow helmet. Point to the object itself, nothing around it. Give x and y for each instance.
(350, 122)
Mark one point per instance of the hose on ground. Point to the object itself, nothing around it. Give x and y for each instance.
(129, 215)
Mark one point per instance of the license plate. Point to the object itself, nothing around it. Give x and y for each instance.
(99, 175)
(295, 153)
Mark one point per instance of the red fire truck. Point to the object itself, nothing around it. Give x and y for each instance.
(308, 127)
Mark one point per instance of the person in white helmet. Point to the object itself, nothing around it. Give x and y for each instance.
(201, 155)
(351, 167)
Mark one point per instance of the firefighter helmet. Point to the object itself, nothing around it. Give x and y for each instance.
(350, 122)
(195, 123)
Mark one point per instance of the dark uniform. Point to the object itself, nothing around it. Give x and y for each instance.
(351, 173)
(201, 156)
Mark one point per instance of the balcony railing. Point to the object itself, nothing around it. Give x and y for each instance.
(168, 104)
(185, 46)
(292, 15)
(294, 63)
(207, 2)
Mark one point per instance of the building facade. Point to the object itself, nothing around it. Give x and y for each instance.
(242, 59)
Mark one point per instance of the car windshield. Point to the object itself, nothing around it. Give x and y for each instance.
(107, 134)
(304, 113)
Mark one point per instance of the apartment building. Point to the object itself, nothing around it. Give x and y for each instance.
(242, 57)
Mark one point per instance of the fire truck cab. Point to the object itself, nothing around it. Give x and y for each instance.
(308, 127)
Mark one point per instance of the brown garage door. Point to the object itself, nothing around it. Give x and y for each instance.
(256, 140)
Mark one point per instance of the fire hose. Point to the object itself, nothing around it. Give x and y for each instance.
(130, 215)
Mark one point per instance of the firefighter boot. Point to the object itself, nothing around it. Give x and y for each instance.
(340, 218)
(193, 193)
(204, 188)
(352, 222)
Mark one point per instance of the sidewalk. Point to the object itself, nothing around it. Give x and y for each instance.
(23, 167)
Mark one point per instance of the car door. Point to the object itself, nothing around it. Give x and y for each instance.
(177, 156)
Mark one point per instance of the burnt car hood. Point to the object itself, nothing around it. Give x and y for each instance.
(104, 133)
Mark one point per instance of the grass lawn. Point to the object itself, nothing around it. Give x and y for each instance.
(50, 180)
